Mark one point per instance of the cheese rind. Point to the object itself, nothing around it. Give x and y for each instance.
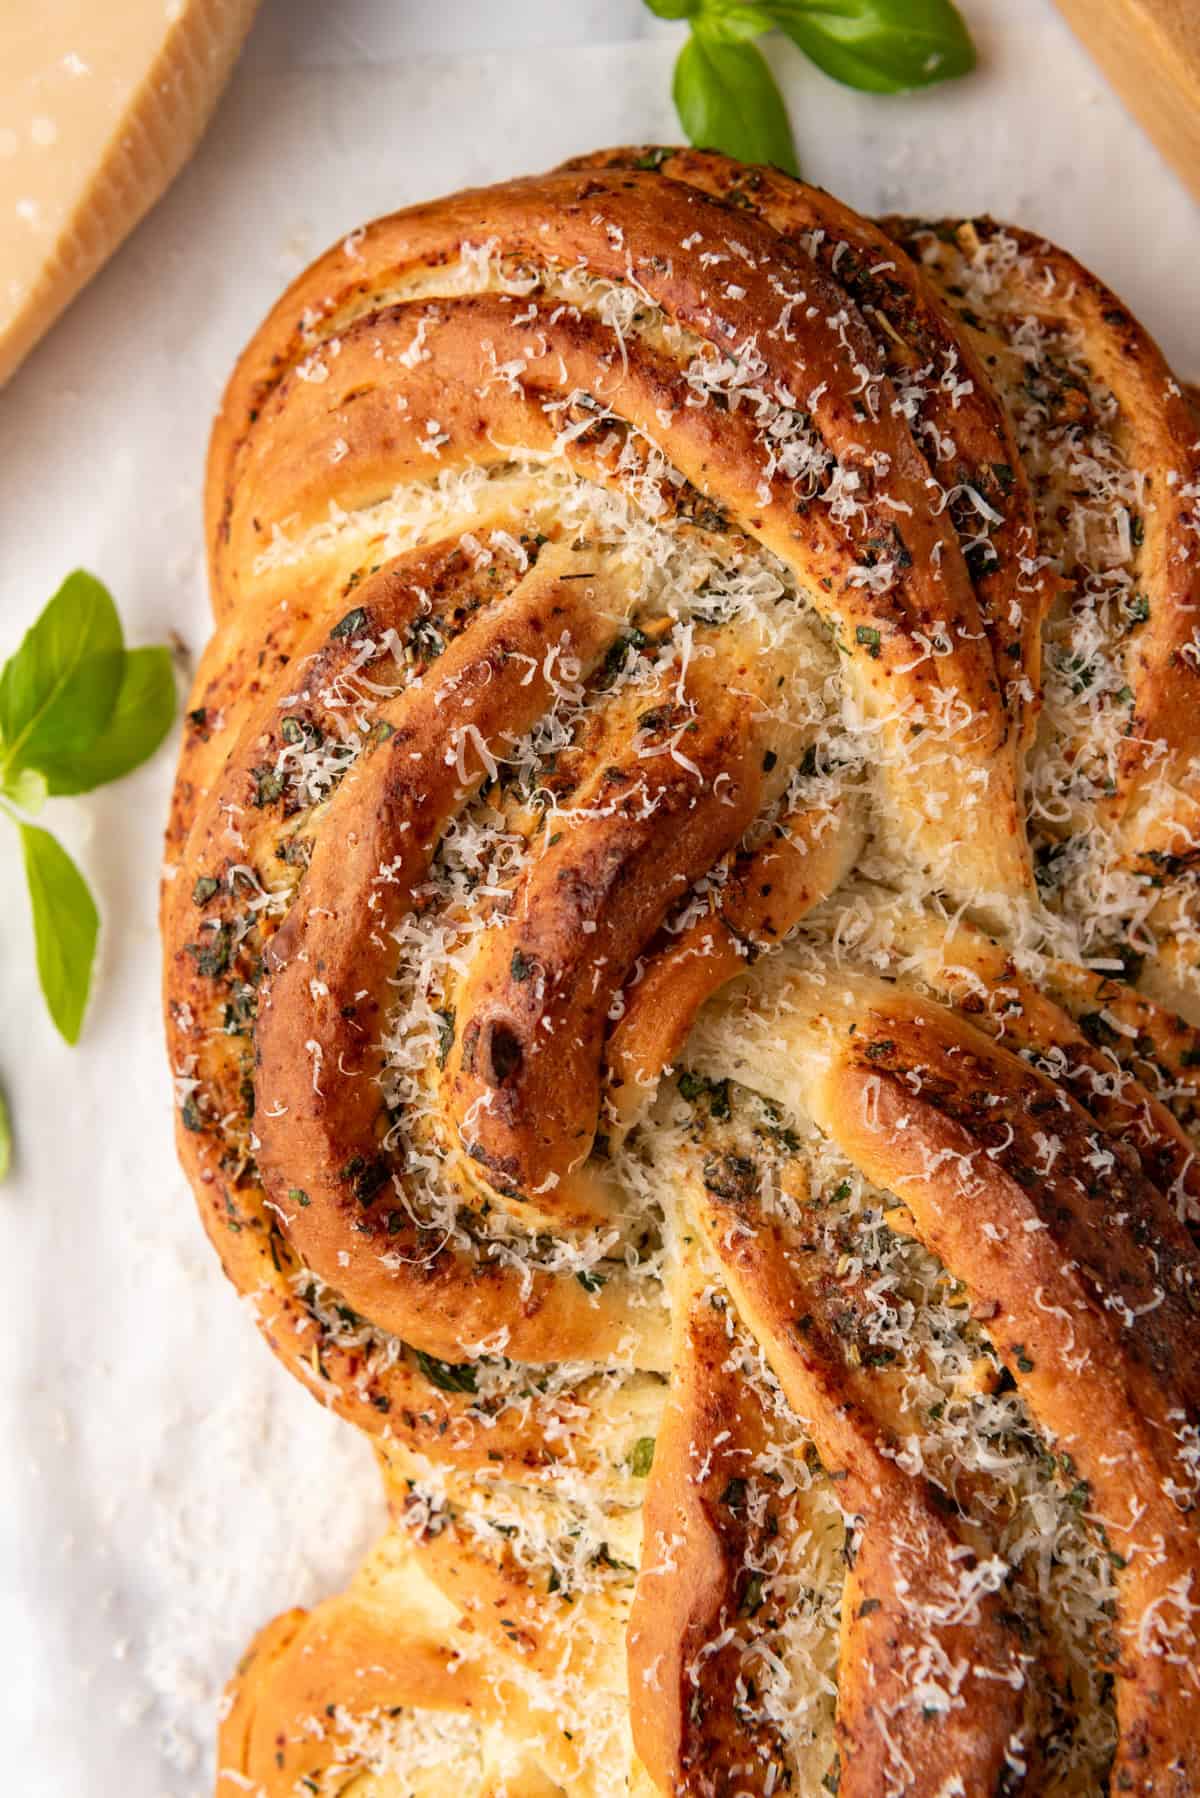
(97, 116)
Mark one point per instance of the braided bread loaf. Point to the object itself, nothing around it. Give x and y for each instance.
(680, 951)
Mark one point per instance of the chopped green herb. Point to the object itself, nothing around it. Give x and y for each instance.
(447, 1376)
(268, 784)
(425, 640)
(352, 625)
(732, 1177)
(752, 1597)
(302, 730)
(694, 1087)
(641, 1458)
(212, 956)
(365, 1178)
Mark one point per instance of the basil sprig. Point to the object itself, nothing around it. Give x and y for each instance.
(727, 99)
(77, 710)
(726, 96)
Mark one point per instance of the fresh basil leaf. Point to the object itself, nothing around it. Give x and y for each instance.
(140, 719)
(65, 927)
(674, 9)
(27, 788)
(57, 690)
(884, 46)
(727, 100)
(5, 1137)
(733, 20)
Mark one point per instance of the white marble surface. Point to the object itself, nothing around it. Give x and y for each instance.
(165, 1487)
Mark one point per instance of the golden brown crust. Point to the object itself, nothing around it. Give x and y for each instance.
(1087, 1277)
(705, 1580)
(593, 901)
(1095, 1041)
(617, 227)
(1163, 442)
(767, 892)
(911, 1598)
(297, 431)
(319, 1111)
(601, 907)
(963, 427)
(1101, 359)
(314, 1684)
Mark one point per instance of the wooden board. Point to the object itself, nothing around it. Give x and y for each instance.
(1150, 51)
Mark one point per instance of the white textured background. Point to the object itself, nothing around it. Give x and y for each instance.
(164, 1487)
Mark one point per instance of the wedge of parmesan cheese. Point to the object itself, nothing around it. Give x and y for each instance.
(100, 106)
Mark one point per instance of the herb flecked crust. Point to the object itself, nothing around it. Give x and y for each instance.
(681, 975)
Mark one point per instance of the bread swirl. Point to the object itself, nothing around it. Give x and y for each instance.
(667, 991)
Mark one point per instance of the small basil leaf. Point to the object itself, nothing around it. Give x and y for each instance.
(732, 19)
(27, 788)
(140, 719)
(726, 100)
(57, 690)
(884, 46)
(5, 1138)
(674, 9)
(65, 927)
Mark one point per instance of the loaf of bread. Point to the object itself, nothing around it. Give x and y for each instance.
(681, 965)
